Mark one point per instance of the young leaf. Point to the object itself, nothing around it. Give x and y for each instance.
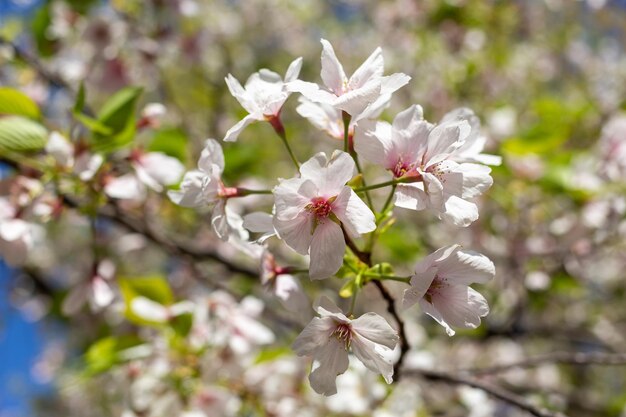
(16, 103)
(20, 134)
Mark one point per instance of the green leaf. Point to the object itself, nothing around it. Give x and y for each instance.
(14, 102)
(108, 352)
(172, 142)
(20, 134)
(92, 124)
(80, 99)
(118, 115)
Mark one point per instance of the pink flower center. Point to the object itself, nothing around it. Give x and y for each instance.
(320, 206)
(435, 288)
(402, 168)
(343, 332)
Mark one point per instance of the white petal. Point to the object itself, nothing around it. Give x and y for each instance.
(354, 214)
(461, 306)
(259, 222)
(333, 361)
(292, 196)
(323, 116)
(127, 186)
(476, 179)
(212, 156)
(459, 212)
(149, 310)
(313, 336)
(411, 196)
(372, 68)
(327, 250)
(433, 312)
(219, 220)
(464, 267)
(233, 132)
(330, 176)
(375, 328)
(372, 141)
(87, 165)
(365, 350)
(296, 232)
(291, 294)
(332, 74)
(294, 70)
(420, 283)
(60, 149)
(102, 294)
(197, 189)
(407, 118)
(445, 139)
(160, 169)
(393, 82)
(354, 102)
(13, 229)
(240, 94)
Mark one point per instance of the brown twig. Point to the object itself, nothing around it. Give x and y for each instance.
(494, 391)
(567, 358)
(365, 257)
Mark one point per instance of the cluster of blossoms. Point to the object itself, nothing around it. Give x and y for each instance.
(320, 212)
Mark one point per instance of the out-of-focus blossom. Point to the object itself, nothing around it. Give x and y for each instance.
(367, 86)
(414, 149)
(152, 311)
(283, 285)
(441, 287)
(329, 337)
(613, 148)
(204, 187)
(312, 209)
(16, 238)
(152, 115)
(263, 96)
(153, 169)
(96, 290)
(74, 158)
(220, 320)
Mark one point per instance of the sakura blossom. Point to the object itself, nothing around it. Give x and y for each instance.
(204, 187)
(314, 211)
(423, 157)
(262, 97)
(16, 239)
(366, 86)
(329, 337)
(441, 287)
(154, 170)
(282, 284)
(96, 291)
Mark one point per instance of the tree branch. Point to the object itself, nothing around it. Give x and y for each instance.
(567, 358)
(494, 391)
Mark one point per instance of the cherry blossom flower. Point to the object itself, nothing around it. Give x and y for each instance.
(441, 287)
(425, 155)
(96, 291)
(263, 96)
(155, 170)
(16, 238)
(366, 86)
(328, 339)
(75, 158)
(152, 115)
(158, 313)
(612, 146)
(330, 120)
(204, 187)
(312, 210)
(282, 284)
(472, 148)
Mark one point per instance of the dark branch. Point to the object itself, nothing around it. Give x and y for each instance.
(494, 391)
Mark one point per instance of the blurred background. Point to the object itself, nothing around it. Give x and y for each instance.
(547, 79)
